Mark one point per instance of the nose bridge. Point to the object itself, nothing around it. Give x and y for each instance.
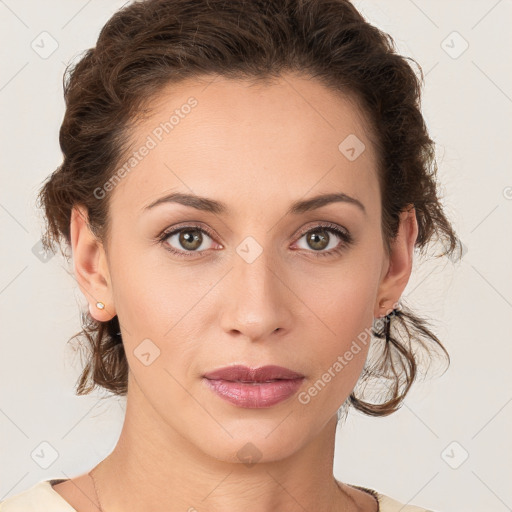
(255, 269)
(256, 306)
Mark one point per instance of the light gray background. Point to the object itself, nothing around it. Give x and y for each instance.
(415, 455)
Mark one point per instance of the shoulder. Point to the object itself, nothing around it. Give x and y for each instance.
(388, 504)
(39, 498)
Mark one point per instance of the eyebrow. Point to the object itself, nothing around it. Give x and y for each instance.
(213, 206)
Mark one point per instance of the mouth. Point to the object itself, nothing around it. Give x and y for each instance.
(254, 388)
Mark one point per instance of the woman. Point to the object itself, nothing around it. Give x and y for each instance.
(243, 188)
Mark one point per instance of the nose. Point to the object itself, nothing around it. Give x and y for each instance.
(257, 299)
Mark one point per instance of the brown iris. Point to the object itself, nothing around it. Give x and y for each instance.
(318, 241)
(191, 242)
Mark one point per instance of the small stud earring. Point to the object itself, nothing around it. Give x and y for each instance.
(100, 305)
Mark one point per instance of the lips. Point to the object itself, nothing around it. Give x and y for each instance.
(254, 388)
(240, 373)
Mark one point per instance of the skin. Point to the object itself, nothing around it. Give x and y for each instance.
(256, 148)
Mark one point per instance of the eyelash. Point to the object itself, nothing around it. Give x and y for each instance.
(345, 236)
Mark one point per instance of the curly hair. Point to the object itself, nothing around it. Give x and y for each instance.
(151, 44)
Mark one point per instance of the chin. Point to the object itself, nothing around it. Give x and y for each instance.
(259, 441)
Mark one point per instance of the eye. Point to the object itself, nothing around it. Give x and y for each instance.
(318, 239)
(186, 240)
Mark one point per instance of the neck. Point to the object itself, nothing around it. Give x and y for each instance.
(153, 467)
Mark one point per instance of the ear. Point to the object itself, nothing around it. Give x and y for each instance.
(397, 271)
(91, 266)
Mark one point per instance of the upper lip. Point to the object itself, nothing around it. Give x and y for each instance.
(247, 374)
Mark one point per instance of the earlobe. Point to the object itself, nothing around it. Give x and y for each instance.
(90, 266)
(400, 264)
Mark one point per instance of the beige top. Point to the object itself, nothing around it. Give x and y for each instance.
(42, 497)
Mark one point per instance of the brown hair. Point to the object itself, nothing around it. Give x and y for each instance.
(150, 44)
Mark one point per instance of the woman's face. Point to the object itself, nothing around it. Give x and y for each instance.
(264, 283)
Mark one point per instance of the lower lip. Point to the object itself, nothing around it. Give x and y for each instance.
(256, 396)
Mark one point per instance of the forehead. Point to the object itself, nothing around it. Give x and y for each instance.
(243, 141)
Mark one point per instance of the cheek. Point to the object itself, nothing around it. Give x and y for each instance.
(157, 303)
(143, 304)
(145, 290)
(152, 309)
(341, 329)
(342, 302)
